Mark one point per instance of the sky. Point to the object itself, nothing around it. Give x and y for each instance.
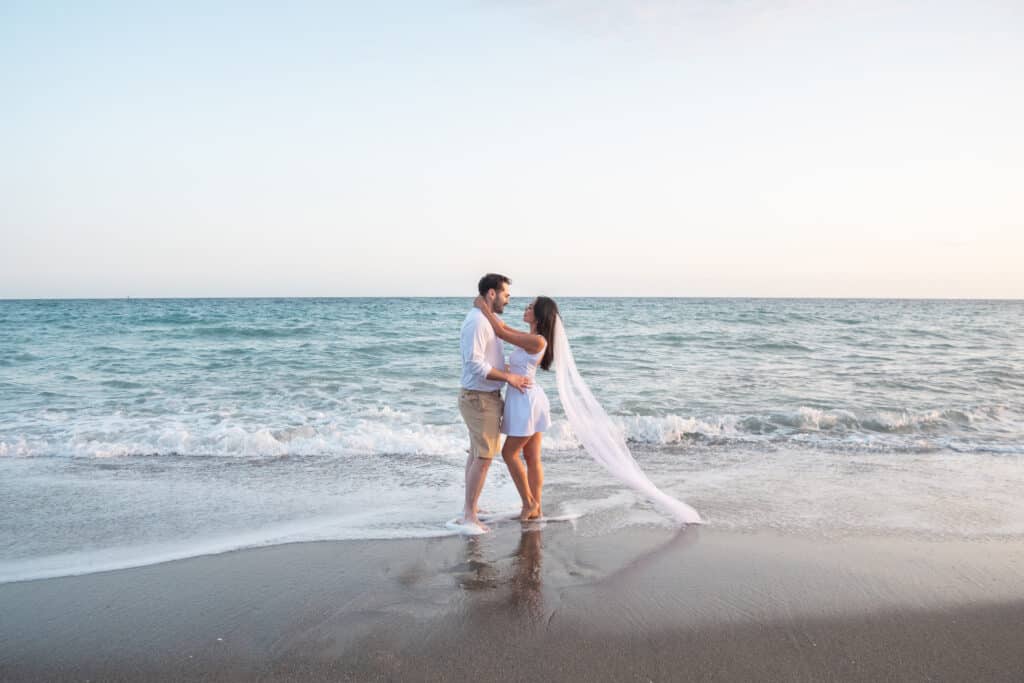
(602, 147)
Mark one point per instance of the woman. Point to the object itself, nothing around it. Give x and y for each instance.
(527, 413)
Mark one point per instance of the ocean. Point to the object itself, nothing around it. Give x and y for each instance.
(138, 431)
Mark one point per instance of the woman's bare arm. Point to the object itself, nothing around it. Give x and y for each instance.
(531, 343)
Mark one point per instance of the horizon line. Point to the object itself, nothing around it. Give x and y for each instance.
(469, 296)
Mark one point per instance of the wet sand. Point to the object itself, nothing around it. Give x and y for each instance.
(637, 605)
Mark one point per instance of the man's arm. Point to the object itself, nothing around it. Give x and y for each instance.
(477, 361)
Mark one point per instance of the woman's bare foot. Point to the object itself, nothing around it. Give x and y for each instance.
(531, 511)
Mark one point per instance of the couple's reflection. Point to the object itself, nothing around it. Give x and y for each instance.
(523, 577)
(478, 572)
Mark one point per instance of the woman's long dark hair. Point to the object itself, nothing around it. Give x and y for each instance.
(545, 312)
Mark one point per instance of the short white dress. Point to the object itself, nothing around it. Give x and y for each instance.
(529, 412)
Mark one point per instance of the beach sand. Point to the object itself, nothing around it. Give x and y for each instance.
(551, 604)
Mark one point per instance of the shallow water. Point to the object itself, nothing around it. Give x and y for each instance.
(146, 429)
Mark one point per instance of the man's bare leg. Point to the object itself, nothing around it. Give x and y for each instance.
(476, 474)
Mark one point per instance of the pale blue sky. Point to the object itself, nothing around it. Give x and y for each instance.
(584, 148)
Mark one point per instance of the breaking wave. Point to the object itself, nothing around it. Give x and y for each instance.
(384, 430)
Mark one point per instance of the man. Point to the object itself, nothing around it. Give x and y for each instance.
(483, 375)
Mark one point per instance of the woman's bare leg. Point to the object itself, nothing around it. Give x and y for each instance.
(510, 452)
(534, 470)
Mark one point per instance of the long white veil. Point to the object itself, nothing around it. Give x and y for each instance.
(600, 438)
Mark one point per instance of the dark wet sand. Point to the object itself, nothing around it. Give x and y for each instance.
(549, 605)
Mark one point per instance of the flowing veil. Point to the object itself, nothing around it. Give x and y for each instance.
(600, 438)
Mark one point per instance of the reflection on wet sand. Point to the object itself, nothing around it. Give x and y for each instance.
(527, 595)
(516, 584)
(478, 573)
(516, 581)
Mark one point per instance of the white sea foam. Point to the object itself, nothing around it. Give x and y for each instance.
(202, 507)
(110, 559)
(385, 430)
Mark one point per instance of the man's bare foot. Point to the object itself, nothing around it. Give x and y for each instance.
(530, 512)
(473, 520)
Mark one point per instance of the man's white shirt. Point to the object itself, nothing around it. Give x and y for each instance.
(481, 351)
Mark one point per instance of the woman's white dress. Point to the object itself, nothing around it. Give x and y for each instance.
(529, 412)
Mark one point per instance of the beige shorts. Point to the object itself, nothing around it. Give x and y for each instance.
(482, 412)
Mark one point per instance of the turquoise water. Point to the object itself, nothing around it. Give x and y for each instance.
(146, 429)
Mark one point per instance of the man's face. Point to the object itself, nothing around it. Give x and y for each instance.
(501, 298)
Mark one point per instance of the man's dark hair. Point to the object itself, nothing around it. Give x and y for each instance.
(491, 281)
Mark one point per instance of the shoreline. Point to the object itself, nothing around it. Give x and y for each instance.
(642, 604)
(646, 529)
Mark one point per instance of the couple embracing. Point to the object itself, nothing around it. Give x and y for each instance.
(524, 413)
